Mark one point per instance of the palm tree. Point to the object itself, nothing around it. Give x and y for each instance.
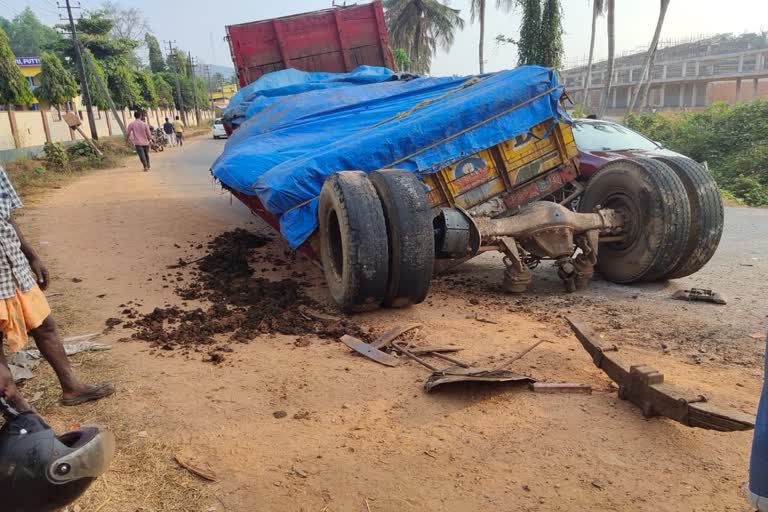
(598, 7)
(645, 76)
(477, 11)
(610, 7)
(419, 27)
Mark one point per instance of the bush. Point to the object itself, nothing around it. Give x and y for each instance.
(730, 138)
(56, 156)
(80, 149)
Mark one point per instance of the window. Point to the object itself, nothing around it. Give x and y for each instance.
(609, 137)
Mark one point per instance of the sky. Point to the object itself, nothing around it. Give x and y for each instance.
(198, 26)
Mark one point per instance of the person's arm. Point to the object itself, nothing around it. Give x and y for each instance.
(129, 132)
(39, 269)
(149, 132)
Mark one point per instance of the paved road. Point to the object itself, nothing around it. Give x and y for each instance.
(641, 312)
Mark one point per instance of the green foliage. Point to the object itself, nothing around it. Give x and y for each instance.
(146, 88)
(80, 149)
(57, 85)
(731, 139)
(551, 37)
(56, 156)
(156, 61)
(164, 91)
(420, 27)
(528, 45)
(27, 35)
(14, 88)
(97, 97)
(122, 87)
(402, 60)
(177, 63)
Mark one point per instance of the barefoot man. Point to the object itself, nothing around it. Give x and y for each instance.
(24, 308)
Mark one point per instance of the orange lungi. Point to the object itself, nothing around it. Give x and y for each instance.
(20, 314)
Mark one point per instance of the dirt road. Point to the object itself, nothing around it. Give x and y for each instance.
(289, 425)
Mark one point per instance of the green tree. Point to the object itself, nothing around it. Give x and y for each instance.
(98, 99)
(146, 88)
(477, 12)
(164, 91)
(402, 60)
(28, 36)
(57, 85)
(95, 33)
(598, 6)
(156, 60)
(551, 38)
(14, 88)
(122, 87)
(528, 45)
(177, 63)
(420, 27)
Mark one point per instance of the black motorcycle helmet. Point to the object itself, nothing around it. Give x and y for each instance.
(42, 472)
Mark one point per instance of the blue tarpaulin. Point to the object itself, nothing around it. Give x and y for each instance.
(286, 147)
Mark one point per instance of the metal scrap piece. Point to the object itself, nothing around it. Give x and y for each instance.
(700, 294)
(439, 379)
(644, 386)
(368, 351)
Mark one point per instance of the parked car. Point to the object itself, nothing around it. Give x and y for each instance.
(600, 141)
(218, 129)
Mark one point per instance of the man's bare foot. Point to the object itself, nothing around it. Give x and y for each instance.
(88, 394)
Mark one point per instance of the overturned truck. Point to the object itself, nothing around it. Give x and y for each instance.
(387, 179)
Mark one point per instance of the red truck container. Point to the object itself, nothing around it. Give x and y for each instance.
(332, 40)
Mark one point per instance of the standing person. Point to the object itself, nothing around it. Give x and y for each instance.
(140, 135)
(170, 133)
(758, 468)
(25, 310)
(179, 129)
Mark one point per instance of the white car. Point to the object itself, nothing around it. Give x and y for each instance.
(218, 129)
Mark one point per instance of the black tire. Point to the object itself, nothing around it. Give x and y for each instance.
(706, 215)
(353, 241)
(657, 217)
(410, 236)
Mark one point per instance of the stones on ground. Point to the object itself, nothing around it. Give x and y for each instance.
(279, 414)
(598, 484)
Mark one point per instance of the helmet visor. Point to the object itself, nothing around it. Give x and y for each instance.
(89, 459)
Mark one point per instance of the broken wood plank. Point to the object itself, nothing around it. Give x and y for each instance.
(560, 387)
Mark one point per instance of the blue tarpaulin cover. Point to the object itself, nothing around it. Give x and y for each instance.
(288, 145)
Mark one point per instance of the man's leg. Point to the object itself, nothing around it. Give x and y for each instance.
(146, 156)
(49, 342)
(140, 151)
(10, 392)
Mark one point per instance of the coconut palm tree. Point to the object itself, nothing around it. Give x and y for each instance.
(419, 27)
(645, 76)
(610, 8)
(477, 12)
(598, 7)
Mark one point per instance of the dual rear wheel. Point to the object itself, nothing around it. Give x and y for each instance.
(673, 217)
(376, 240)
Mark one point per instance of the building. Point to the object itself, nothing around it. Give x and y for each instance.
(222, 95)
(685, 75)
(31, 69)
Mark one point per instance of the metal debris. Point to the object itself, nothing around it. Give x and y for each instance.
(368, 351)
(560, 387)
(699, 294)
(644, 386)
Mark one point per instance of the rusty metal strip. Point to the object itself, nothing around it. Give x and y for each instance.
(392, 334)
(644, 386)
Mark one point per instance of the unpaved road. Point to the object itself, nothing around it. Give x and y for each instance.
(357, 436)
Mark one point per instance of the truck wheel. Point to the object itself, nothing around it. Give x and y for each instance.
(353, 241)
(706, 215)
(410, 235)
(657, 217)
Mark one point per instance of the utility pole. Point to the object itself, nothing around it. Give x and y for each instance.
(105, 92)
(172, 55)
(192, 63)
(210, 91)
(86, 93)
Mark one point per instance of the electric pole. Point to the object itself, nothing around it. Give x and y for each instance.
(210, 95)
(86, 93)
(192, 63)
(172, 56)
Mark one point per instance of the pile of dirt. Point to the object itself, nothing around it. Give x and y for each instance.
(236, 304)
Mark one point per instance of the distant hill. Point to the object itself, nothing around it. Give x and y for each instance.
(227, 71)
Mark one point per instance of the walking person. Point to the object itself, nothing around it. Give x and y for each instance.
(179, 129)
(170, 133)
(24, 309)
(758, 468)
(139, 134)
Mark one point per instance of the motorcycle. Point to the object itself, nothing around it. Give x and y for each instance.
(158, 141)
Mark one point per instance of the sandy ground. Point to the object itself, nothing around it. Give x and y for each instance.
(361, 437)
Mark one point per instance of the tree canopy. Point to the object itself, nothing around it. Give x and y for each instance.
(122, 87)
(551, 38)
(528, 45)
(420, 27)
(163, 90)
(14, 87)
(27, 34)
(57, 85)
(156, 60)
(145, 85)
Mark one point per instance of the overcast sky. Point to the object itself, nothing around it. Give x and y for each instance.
(198, 26)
